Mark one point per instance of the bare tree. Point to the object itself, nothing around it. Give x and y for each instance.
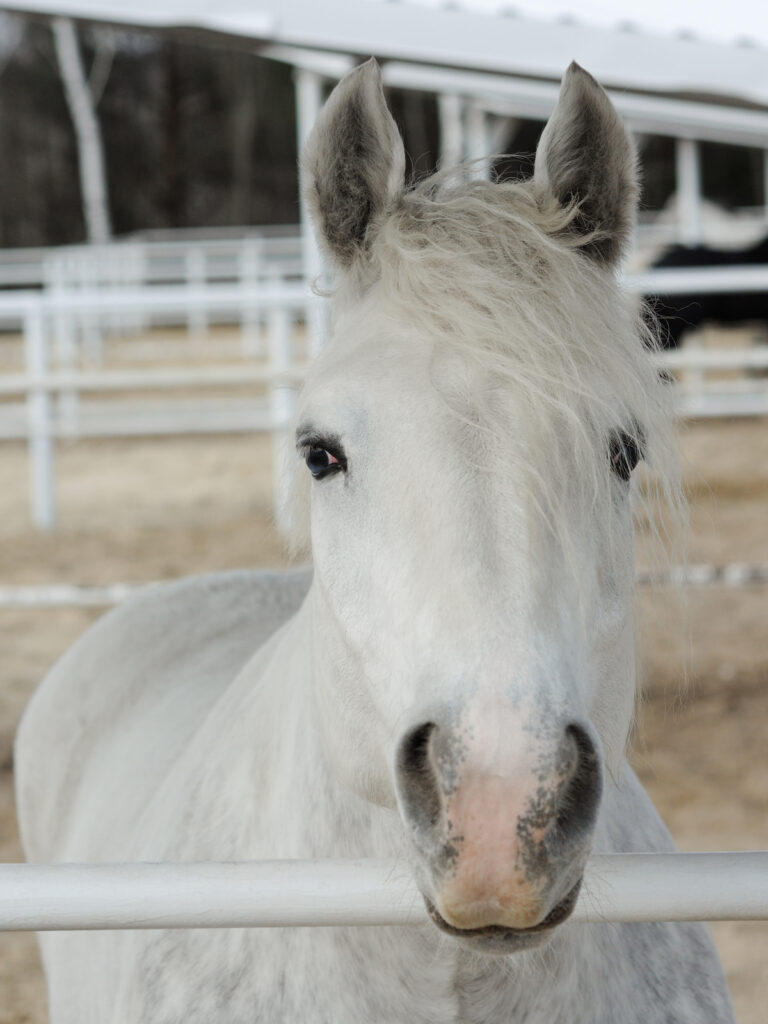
(93, 181)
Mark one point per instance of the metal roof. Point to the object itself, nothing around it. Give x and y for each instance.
(670, 85)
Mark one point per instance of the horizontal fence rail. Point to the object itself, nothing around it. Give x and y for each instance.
(698, 280)
(736, 574)
(187, 257)
(69, 595)
(156, 380)
(276, 894)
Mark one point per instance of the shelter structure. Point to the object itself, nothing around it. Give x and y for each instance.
(486, 70)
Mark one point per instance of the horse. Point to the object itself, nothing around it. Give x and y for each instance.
(679, 314)
(451, 684)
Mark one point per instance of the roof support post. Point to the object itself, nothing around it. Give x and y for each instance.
(451, 110)
(478, 142)
(688, 174)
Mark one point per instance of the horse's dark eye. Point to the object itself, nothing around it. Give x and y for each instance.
(625, 452)
(321, 462)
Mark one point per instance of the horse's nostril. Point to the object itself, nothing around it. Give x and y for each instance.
(414, 748)
(416, 778)
(580, 798)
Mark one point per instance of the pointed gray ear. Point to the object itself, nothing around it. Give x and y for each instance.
(585, 154)
(353, 165)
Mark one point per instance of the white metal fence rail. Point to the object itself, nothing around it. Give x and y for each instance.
(619, 887)
(49, 388)
(250, 254)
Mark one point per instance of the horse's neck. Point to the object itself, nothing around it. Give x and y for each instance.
(328, 819)
(255, 781)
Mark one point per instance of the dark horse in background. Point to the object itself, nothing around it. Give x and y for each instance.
(678, 314)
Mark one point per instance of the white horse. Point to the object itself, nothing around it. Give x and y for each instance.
(454, 683)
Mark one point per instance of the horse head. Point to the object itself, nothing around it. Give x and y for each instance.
(469, 434)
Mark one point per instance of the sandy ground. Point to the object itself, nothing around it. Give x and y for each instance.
(142, 510)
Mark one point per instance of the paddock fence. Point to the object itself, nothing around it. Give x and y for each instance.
(48, 404)
(278, 894)
(280, 323)
(56, 322)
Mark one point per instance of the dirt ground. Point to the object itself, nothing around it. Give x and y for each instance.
(146, 509)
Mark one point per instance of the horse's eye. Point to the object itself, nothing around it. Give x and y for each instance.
(625, 451)
(321, 462)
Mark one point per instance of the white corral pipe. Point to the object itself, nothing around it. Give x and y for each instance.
(684, 281)
(623, 887)
(688, 172)
(67, 595)
(39, 421)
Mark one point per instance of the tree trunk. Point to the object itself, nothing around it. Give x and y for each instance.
(93, 182)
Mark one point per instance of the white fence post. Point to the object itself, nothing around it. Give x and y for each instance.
(39, 419)
(281, 399)
(88, 266)
(65, 348)
(250, 267)
(197, 318)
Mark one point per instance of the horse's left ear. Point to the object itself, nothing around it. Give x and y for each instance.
(586, 155)
(353, 165)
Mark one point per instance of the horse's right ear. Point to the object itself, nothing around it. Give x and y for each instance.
(353, 165)
(586, 157)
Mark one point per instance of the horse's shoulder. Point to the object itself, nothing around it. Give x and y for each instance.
(231, 613)
(201, 607)
(147, 671)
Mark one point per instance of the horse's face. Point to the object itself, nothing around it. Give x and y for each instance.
(476, 663)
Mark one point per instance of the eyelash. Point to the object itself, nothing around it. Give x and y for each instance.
(319, 446)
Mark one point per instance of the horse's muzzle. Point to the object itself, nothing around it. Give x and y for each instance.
(501, 848)
(497, 939)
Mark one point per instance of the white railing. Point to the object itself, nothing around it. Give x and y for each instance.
(41, 420)
(700, 395)
(49, 408)
(697, 280)
(277, 894)
(270, 253)
(249, 259)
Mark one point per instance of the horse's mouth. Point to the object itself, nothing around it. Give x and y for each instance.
(498, 939)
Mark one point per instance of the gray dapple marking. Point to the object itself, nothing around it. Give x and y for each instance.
(453, 683)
